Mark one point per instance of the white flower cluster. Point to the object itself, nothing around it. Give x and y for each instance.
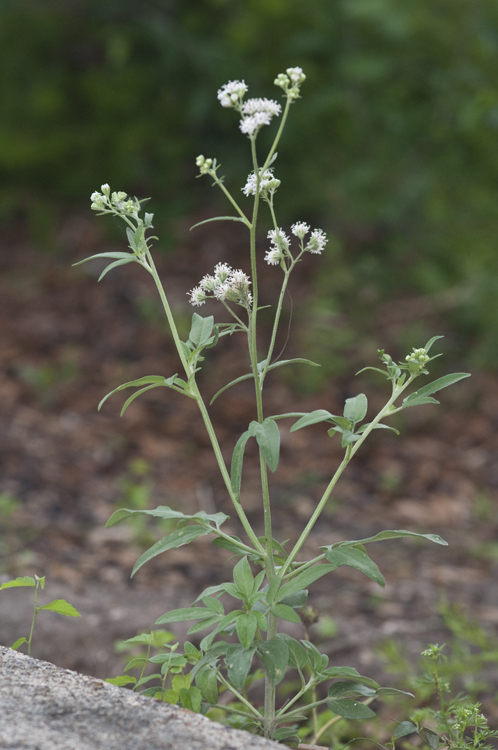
(267, 184)
(225, 285)
(291, 81)
(114, 202)
(232, 93)
(256, 113)
(279, 246)
(279, 242)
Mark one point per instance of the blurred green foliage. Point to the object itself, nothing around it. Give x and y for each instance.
(393, 145)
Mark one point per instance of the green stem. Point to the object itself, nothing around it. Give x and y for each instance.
(238, 695)
(35, 612)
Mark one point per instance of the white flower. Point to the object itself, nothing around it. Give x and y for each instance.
(279, 239)
(105, 189)
(273, 256)
(231, 93)
(300, 229)
(268, 183)
(251, 106)
(197, 296)
(317, 241)
(253, 123)
(222, 272)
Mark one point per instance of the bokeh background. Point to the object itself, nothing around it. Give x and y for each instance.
(393, 148)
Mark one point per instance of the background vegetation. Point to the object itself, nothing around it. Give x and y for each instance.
(393, 148)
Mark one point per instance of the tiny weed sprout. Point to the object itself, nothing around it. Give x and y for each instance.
(241, 619)
(60, 606)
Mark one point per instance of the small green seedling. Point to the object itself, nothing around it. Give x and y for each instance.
(58, 605)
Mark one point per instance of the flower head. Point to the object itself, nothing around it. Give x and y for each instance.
(232, 93)
(317, 241)
(253, 123)
(256, 113)
(290, 82)
(279, 246)
(225, 285)
(267, 184)
(300, 229)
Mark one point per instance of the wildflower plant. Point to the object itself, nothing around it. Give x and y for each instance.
(270, 582)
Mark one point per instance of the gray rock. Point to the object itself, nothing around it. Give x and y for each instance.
(43, 707)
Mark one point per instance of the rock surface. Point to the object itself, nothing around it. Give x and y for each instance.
(43, 707)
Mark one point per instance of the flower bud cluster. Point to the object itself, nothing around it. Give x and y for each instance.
(418, 357)
(225, 285)
(279, 242)
(268, 184)
(117, 203)
(204, 164)
(290, 82)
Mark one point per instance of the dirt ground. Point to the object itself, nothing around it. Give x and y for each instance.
(67, 341)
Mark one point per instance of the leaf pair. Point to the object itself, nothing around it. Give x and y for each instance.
(267, 436)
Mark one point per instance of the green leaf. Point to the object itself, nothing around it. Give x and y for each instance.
(104, 255)
(431, 737)
(418, 401)
(148, 379)
(191, 699)
(206, 681)
(238, 662)
(219, 218)
(303, 580)
(18, 582)
(285, 613)
(201, 330)
(178, 538)
(268, 439)
(167, 514)
(243, 578)
(275, 656)
(122, 680)
(131, 238)
(184, 614)
(18, 643)
(350, 674)
(319, 415)
(378, 426)
(355, 558)
(61, 607)
(355, 408)
(246, 626)
(298, 657)
(431, 341)
(382, 535)
(393, 691)
(436, 385)
(129, 259)
(351, 690)
(405, 728)
(136, 395)
(349, 709)
(237, 462)
(230, 546)
(215, 606)
(213, 620)
(296, 600)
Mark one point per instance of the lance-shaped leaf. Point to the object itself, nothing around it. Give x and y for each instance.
(246, 626)
(237, 462)
(123, 262)
(238, 662)
(298, 657)
(117, 255)
(275, 656)
(268, 439)
(351, 675)
(355, 558)
(422, 396)
(319, 415)
(303, 580)
(148, 380)
(382, 535)
(206, 681)
(62, 608)
(178, 538)
(243, 578)
(351, 690)
(184, 614)
(220, 218)
(167, 514)
(284, 612)
(349, 709)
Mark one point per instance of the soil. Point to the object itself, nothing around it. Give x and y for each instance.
(65, 467)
